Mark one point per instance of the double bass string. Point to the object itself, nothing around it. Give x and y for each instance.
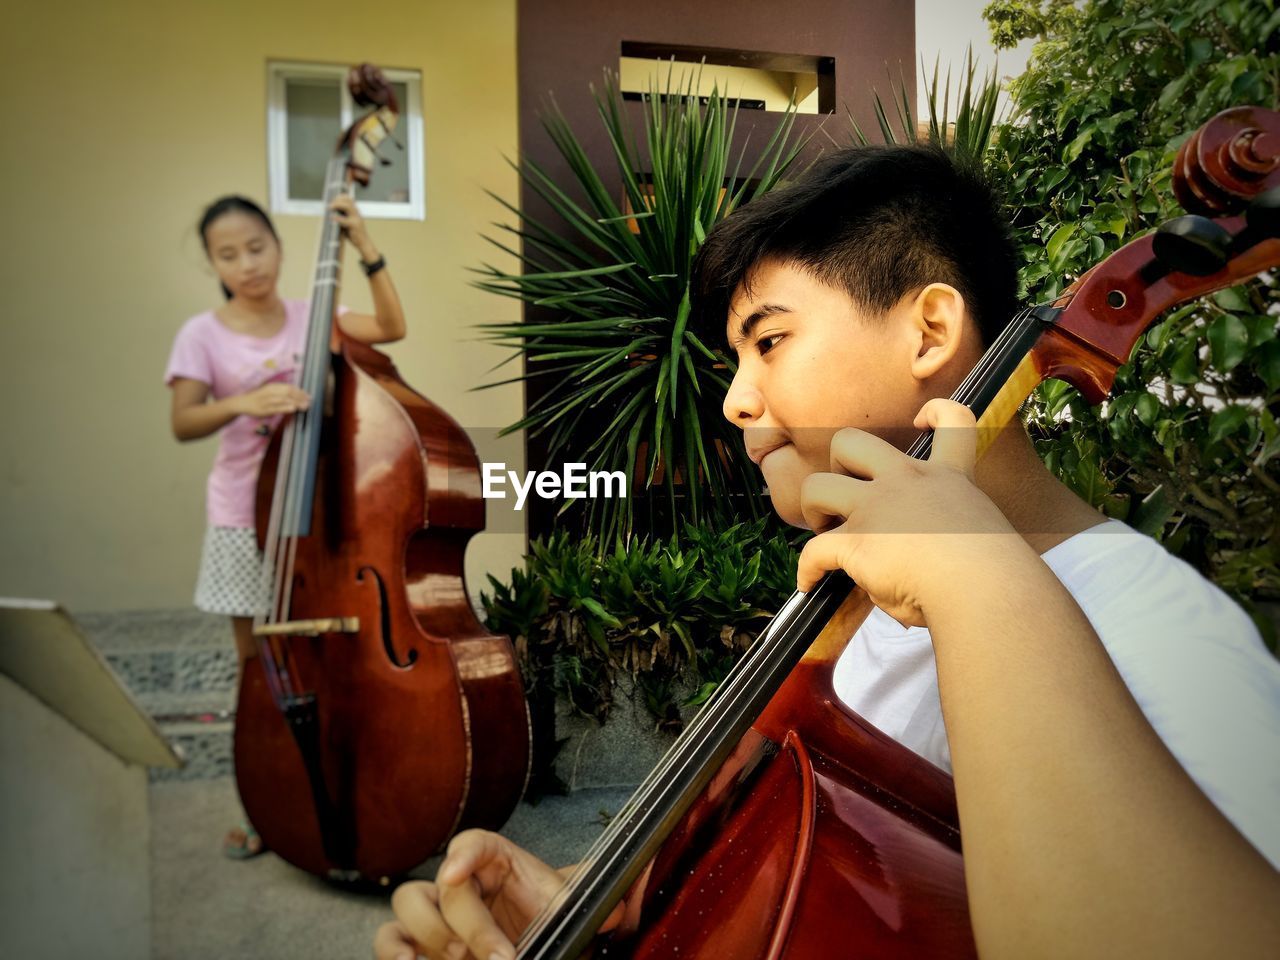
(269, 581)
(313, 375)
(310, 421)
(313, 380)
(731, 698)
(285, 521)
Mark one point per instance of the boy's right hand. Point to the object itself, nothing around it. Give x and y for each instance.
(485, 893)
(272, 399)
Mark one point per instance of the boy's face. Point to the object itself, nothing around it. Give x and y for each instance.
(810, 363)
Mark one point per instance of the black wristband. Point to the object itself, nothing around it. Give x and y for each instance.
(371, 268)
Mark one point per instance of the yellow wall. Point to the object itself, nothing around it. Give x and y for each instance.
(124, 120)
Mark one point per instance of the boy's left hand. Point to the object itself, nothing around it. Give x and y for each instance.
(907, 531)
(347, 214)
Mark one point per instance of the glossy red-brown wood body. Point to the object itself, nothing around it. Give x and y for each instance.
(422, 721)
(793, 853)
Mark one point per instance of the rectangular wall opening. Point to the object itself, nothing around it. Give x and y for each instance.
(753, 80)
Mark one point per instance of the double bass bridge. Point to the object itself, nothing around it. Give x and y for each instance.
(308, 628)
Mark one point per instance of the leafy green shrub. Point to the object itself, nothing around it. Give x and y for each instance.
(1186, 449)
(669, 613)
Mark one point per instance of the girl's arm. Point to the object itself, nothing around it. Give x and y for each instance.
(387, 323)
(193, 415)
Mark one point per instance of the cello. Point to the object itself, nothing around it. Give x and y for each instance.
(780, 823)
(380, 716)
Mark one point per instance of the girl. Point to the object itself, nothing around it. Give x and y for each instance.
(231, 372)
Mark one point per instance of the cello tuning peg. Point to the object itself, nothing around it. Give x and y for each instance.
(1263, 213)
(1192, 244)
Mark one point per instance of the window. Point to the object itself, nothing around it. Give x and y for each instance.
(308, 108)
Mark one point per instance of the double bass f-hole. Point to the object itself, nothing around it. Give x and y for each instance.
(384, 621)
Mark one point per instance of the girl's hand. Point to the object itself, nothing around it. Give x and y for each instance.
(272, 399)
(486, 892)
(348, 217)
(907, 531)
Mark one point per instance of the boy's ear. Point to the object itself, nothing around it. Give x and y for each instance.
(939, 322)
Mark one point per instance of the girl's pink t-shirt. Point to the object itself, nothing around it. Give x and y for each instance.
(232, 363)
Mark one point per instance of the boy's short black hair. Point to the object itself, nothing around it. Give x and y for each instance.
(879, 222)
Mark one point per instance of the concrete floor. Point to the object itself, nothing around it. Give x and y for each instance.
(206, 906)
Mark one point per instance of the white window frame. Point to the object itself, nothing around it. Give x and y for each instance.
(408, 131)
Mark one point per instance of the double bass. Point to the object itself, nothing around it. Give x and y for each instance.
(380, 716)
(781, 824)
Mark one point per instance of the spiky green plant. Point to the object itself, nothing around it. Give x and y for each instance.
(975, 117)
(624, 380)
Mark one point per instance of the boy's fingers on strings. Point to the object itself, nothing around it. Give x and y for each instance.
(825, 552)
(955, 434)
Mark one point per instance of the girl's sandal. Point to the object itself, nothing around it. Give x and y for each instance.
(250, 846)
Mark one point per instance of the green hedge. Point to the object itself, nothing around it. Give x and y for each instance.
(672, 613)
(1187, 447)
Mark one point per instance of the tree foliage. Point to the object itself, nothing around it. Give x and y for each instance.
(1188, 447)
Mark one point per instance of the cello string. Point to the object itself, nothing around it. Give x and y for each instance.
(1012, 350)
(606, 858)
(711, 716)
(265, 592)
(992, 360)
(591, 873)
(1008, 347)
(730, 690)
(622, 862)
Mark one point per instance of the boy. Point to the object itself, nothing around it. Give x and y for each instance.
(1111, 719)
